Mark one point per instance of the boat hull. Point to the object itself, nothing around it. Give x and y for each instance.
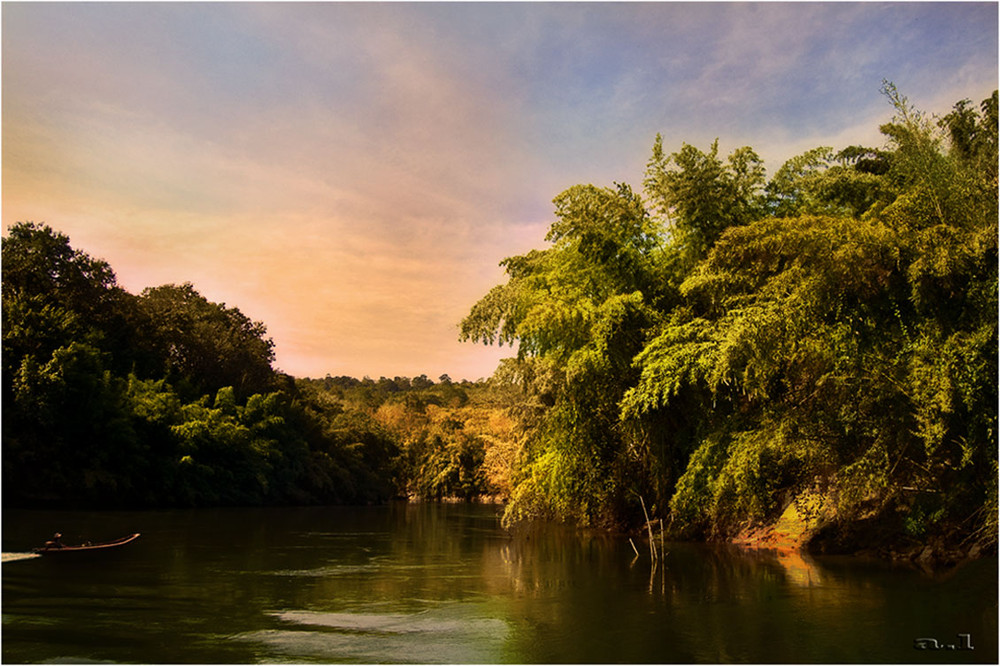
(66, 551)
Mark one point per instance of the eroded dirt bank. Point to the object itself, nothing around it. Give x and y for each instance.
(809, 525)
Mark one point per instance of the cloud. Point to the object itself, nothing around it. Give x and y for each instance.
(352, 173)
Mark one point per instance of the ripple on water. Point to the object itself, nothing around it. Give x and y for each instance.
(382, 565)
(434, 636)
(332, 570)
(422, 622)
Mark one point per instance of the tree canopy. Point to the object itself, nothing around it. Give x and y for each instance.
(727, 343)
(160, 399)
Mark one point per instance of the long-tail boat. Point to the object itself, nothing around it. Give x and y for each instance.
(56, 548)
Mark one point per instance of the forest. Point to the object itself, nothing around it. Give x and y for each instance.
(723, 345)
(165, 399)
(705, 351)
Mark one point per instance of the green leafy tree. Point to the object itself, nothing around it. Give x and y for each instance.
(65, 429)
(832, 331)
(206, 346)
(791, 331)
(54, 295)
(581, 307)
(821, 182)
(851, 351)
(701, 196)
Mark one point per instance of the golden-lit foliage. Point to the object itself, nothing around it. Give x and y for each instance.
(727, 343)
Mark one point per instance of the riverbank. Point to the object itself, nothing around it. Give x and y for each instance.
(809, 525)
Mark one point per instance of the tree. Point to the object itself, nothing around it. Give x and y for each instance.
(54, 294)
(206, 346)
(701, 196)
(66, 431)
(821, 182)
(973, 136)
(578, 309)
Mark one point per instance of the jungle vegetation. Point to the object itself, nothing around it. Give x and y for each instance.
(166, 399)
(723, 343)
(704, 350)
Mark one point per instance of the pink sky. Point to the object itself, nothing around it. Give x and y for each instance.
(352, 174)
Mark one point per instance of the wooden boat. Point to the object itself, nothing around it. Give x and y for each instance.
(50, 549)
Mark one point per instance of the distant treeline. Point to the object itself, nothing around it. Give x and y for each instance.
(725, 344)
(166, 399)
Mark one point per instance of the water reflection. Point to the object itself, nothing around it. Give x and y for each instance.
(429, 584)
(800, 570)
(454, 633)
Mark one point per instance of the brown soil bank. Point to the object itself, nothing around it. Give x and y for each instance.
(809, 524)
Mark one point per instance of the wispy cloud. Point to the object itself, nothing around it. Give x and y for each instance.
(352, 173)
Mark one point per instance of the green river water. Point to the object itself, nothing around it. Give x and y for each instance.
(427, 583)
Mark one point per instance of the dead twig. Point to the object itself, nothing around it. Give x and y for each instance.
(649, 526)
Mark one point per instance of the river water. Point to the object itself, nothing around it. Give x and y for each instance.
(431, 583)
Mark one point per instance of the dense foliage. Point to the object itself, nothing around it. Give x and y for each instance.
(160, 399)
(724, 343)
(708, 352)
(454, 440)
(168, 399)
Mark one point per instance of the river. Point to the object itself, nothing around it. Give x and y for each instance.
(431, 583)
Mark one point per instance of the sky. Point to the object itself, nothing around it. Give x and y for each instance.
(352, 174)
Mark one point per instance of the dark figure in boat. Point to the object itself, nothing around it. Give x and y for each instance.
(55, 545)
